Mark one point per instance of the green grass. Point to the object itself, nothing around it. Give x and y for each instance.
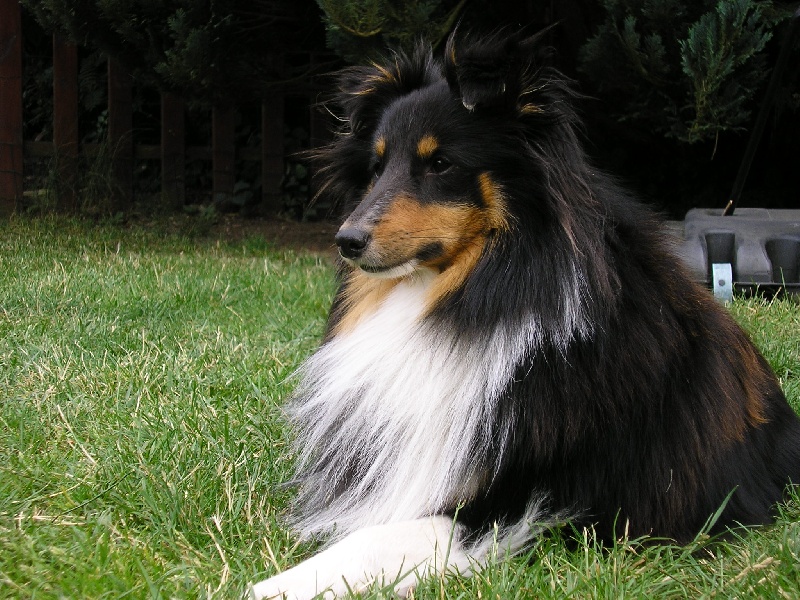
(141, 446)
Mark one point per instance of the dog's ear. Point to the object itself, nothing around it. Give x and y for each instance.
(491, 73)
(365, 91)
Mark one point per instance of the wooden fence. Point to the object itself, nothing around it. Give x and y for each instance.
(172, 151)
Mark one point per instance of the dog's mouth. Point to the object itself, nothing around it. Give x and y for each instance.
(395, 271)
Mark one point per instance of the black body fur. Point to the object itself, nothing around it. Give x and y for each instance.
(643, 405)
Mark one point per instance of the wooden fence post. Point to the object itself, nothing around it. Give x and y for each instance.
(10, 106)
(173, 151)
(120, 134)
(65, 122)
(223, 142)
(272, 150)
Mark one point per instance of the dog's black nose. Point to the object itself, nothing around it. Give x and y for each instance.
(352, 241)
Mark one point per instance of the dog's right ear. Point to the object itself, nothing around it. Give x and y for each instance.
(491, 72)
(365, 91)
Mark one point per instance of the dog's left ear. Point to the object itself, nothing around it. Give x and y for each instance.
(489, 73)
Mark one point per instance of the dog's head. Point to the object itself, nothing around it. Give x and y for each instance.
(429, 197)
(429, 154)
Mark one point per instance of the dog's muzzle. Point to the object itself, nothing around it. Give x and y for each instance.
(352, 242)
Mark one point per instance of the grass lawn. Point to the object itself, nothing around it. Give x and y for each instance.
(142, 448)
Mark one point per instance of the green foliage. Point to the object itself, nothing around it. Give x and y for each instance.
(360, 30)
(723, 57)
(685, 69)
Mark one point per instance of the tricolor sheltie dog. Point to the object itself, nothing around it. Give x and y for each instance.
(513, 342)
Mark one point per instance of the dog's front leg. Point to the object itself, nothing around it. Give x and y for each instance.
(395, 554)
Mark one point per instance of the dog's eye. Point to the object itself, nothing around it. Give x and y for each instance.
(439, 165)
(377, 169)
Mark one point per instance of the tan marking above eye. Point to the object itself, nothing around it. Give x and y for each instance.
(380, 146)
(426, 146)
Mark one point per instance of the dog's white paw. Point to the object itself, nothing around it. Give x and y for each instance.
(294, 584)
(331, 573)
(396, 555)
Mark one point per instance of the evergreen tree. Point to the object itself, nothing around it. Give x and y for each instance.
(359, 30)
(687, 69)
(213, 49)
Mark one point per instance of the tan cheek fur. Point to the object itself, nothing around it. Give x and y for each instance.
(363, 294)
(407, 227)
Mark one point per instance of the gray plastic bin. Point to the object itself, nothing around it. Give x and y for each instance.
(755, 249)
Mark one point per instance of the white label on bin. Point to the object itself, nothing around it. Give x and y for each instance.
(722, 278)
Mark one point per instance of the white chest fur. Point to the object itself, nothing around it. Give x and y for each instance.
(393, 417)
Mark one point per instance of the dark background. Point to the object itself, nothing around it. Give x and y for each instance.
(238, 52)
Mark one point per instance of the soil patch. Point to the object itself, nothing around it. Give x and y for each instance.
(293, 235)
